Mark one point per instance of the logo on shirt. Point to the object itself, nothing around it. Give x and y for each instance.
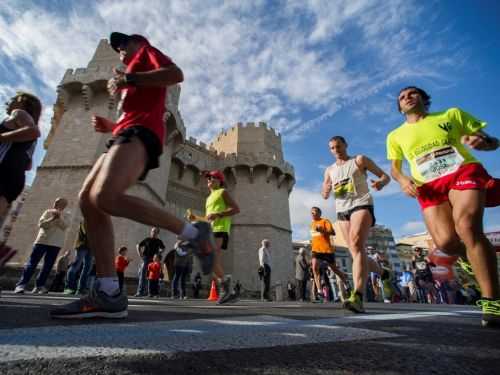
(446, 127)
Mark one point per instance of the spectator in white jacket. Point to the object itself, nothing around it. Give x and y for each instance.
(52, 226)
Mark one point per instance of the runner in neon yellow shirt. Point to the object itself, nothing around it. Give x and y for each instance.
(449, 183)
(219, 208)
(434, 148)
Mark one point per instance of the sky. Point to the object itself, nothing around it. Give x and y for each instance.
(311, 69)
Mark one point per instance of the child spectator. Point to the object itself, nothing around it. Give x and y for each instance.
(121, 263)
(154, 276)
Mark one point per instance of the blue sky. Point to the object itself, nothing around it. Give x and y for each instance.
(311, 69)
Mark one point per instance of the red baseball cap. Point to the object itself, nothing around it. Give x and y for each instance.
(216, 174)
(117, 39)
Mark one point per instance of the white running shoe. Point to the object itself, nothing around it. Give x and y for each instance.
(19, 289)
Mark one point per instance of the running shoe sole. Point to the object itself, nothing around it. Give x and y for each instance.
(95, 314)
(231, 299)
(490, 322)
(352, 307)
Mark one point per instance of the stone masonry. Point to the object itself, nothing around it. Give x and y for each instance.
(250, 155)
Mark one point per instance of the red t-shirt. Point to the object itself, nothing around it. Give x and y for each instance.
(121, 263)
(144, 105)
(154, 271)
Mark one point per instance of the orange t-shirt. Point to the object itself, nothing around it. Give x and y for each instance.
(320, 242)
(154, 271)
(121, 263)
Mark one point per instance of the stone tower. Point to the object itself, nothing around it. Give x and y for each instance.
(260, 181)
(250, 156)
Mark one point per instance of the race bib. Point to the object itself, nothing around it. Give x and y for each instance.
(344, 188)
(439, 162)
(421, 266)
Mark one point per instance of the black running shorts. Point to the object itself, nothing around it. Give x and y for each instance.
(225, 239)
(12, 178)
(151, 142)
(327, 257)
(346, 215)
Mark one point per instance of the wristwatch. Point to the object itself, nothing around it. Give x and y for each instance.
(130, 79)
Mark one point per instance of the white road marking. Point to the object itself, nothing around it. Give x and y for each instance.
(171, 337)
(411, 315)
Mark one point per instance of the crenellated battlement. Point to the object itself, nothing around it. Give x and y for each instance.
(86, 76)
(246, 127)
(202, 156)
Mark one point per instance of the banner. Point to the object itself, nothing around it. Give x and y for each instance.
(443, 271)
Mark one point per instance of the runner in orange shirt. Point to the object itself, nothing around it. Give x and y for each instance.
(322, 249)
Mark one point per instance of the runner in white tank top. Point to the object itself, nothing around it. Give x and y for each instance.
(354, 206)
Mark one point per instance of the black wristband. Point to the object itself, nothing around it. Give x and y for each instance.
(130, 79)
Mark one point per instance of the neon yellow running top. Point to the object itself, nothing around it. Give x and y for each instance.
(215, 204)
(432, 145)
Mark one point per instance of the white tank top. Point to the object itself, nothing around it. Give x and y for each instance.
(349, 186)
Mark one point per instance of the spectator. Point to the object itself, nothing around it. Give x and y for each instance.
(423, 276)
(52, 226)
(406, 287)
(121, 263)
(237, 287)
(301, 274)
(61, 269)
(265, 268)
(197, 285)
(154, 276)
(79, 270)
(147, 249)
(182, 262)
(290, 287)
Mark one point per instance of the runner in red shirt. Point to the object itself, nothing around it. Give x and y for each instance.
(134, 149)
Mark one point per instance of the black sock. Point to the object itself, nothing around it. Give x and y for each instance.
(359, 294)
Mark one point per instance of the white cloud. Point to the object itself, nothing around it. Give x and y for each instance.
(413, 227)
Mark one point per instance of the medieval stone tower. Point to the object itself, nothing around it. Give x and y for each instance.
(250, 156)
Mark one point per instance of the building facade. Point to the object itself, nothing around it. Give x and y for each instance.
(250, 156)
(382, 240)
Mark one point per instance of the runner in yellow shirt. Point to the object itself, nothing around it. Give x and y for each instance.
(451, 186)
(219, 207)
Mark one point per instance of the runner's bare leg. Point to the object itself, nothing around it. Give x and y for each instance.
(120, 169)
(439, 222)
(468, 210)
(356, 231)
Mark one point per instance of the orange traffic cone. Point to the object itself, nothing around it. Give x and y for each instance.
(213, 292)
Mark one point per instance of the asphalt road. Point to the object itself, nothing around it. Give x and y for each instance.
(249, 337)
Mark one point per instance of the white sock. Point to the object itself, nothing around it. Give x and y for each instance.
(108, 285)
(189, 232)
